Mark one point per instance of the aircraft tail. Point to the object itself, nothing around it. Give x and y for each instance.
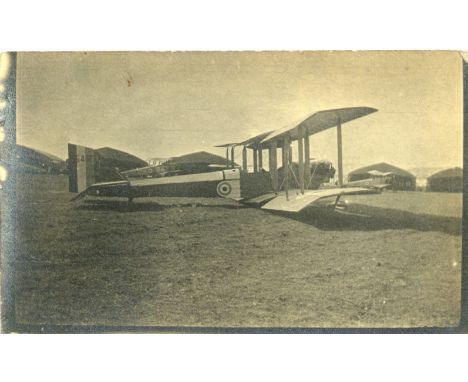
(81, 167)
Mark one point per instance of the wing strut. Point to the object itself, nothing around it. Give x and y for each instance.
(244, 160)
(307, 159)
(300, 153)
(233, 164)
(286, 151)
(273, 165)
(227, 156)
(255, 160)
(230, 163)
(340, 153)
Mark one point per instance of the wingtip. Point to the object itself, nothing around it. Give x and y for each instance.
(226, 145)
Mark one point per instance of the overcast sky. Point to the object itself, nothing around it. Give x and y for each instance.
(168, 104)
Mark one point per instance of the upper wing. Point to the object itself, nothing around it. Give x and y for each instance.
(251, 142)
(313, 124)
(297, 201)
(320, 121)
(255, 141)
(227, 145)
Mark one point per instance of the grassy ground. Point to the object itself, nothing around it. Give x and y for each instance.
(393, 260)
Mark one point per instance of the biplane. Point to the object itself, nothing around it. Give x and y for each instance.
(292, 187)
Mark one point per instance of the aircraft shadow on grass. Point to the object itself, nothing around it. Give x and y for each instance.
(124, 206)
(358, 217)
(366, 218)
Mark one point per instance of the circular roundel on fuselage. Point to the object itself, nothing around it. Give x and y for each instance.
(223, 189)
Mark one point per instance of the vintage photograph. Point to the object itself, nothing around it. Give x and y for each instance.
(230, 190)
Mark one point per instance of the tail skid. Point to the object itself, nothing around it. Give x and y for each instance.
(80, 196)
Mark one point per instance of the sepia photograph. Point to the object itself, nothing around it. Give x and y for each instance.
(231, 191)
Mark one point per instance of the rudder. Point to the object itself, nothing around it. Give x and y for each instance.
(81, 167)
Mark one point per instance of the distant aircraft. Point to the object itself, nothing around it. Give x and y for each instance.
(193, 163)
(35, 161)
(291, 188)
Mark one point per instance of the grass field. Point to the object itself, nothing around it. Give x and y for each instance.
(393, 260)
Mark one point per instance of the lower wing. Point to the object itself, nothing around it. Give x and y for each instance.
(296, 201)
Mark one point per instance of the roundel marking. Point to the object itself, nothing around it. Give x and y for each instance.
(223, 189)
